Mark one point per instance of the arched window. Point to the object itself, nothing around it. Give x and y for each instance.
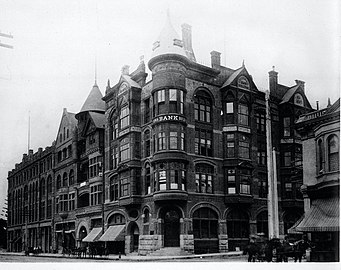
(49, 184)
(202, 107)
(205, 230)
(262, 222)
(320, 156)
(333, 153)
(238, 224)
(42, 187)
(204, 178)
(65, 184)
(146, 218)
(148, 189)
(116, 219)
(59, 181)
(71, 178)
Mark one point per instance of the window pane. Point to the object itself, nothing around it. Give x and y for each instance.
(229, 107)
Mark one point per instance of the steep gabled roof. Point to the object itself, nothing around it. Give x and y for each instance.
(233, 76)
(98, 119)
(94, 101)
(287, 96)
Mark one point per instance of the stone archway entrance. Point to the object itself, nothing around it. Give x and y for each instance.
(171, 228)
(134, 238)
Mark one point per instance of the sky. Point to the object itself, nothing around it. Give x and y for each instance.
(58, 45)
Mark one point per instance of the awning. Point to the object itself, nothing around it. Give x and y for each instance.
(93, 235)
(323, 216)
(293, 229)
(114, 233)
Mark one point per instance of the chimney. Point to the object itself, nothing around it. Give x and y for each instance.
(273, 80)
(300, 83)
(317, 105)
(187, 40)
(125, 70)
(215, 58)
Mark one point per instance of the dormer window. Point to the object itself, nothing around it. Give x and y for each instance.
(178, 42)
(298, 100)
(243, 83)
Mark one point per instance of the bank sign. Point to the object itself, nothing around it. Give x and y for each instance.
(165, 118)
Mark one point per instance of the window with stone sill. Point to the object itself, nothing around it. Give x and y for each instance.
(287, 159)
(125, 150)
(202, 107)
(203, 142)
(231, 181)
(95, 194)
(243, 114)
(244, 147)
(230, 145)
(124, 117)
(114, 189)
(72, 201)
(95, 166)
(333, 153)
(260, 121)
(124, 187)
(286, 127)
(63, 202)
(170, 176)
(204, 178)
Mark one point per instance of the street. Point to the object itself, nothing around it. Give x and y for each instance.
(66, 259)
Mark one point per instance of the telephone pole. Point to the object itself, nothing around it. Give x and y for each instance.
(273, 221)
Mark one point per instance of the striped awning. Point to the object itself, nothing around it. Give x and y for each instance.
(93, 235)
(114, 233)
(323, 216)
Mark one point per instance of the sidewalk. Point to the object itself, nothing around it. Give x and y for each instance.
(132, 257)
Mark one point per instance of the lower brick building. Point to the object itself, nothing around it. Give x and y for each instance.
(178, 160)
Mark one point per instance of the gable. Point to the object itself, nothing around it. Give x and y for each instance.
(66, 127)
(296, 96)
(241, 79)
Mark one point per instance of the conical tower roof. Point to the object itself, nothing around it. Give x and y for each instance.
(94, 101)
(168, 41)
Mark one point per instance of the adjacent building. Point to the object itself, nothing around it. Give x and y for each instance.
(321, 181)
(178, 160)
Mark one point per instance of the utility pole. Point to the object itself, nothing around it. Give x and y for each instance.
(273, 221)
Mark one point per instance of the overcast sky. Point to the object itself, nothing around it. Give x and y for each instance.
(56, 44)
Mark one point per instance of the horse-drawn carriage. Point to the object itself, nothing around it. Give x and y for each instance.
(275, 250)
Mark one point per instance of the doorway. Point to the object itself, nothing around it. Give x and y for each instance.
(171, 229)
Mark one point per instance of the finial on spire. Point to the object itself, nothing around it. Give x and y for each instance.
(96, 70)
(243, 64)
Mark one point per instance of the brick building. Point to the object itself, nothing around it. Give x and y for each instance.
(175, 161)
